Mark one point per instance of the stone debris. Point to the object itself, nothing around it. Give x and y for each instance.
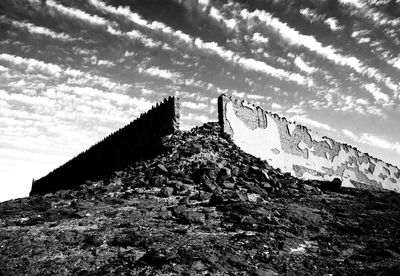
(202, 207)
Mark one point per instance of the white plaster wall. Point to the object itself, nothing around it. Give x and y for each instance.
(266, 143)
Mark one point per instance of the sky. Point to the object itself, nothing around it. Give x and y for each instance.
(71, 72)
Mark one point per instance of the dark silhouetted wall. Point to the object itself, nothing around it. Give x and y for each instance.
(141, 139)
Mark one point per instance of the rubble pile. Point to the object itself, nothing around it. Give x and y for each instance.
(202, 207)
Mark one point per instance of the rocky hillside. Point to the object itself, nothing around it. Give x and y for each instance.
(203, 207)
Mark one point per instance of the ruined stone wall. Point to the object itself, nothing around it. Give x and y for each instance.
(140, 139)
(305, 154)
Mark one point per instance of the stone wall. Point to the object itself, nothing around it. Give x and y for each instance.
(303, 153)
(140, 139)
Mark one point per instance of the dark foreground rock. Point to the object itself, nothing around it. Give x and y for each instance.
(203, 207)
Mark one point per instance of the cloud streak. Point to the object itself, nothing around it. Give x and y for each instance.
(294, 37)
(209, 47)
(38, 30)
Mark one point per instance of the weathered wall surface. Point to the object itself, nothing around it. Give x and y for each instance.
(305, 154)
(139, 139)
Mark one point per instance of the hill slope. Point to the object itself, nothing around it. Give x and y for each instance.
(203, 206)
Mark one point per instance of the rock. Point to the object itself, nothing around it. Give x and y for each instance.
(224, 174)
(188, 216)
(164, 213)
(177, 184)
(265, 272)
(228, 185)
(267, 187)
(70, 237)
(93, 239)
(162, 168)
(178, 210)
(82, 204)
(255, 189)
(259, 174)
(132, 238)
(215, 200)
(154, 258)
(333, 185)
(198, 266)
(195, 217)
(166, 192)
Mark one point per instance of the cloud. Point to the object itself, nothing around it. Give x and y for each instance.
(314, 17)
(210, 47)
(376, 92)
(311, 15)
(276, 106)
(361, 36)
(362, 101)
(161, 73)
(377, 141)
(96, 21)
(105, 63)
(304, 66)
(364, 9)
(32, 65)
(29, 100)
(33, 29)
(239, 94)
(294, 37)
(395, 62)
(297, 109)
(216, 14)
(258, 38)
(312, 123)
(333, 24)
(43, 71)
(308, 41)
(195, 105)
(3, 69)
(192, 118)
(76, 14)
(255, 97)
(350, 134)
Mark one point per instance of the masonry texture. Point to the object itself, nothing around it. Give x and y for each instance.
(141, 139)
(303, 153)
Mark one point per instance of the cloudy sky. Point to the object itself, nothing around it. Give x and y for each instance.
(72, 71)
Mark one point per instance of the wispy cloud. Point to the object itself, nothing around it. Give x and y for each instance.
(373, 140)
(294, 37)
(161, 73)
(229, 23)
(350, 134)
(258, 38)
(376, 92)
(304, 66)
(210, 47)
(380, 142)
(363, 9)
(314, 17)
(40, 69)
(333, 24)
(25, 99)
(312, 123)
(77, 14)
(195, 106)
(39, 30)
(395, 62)
(32, 65)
